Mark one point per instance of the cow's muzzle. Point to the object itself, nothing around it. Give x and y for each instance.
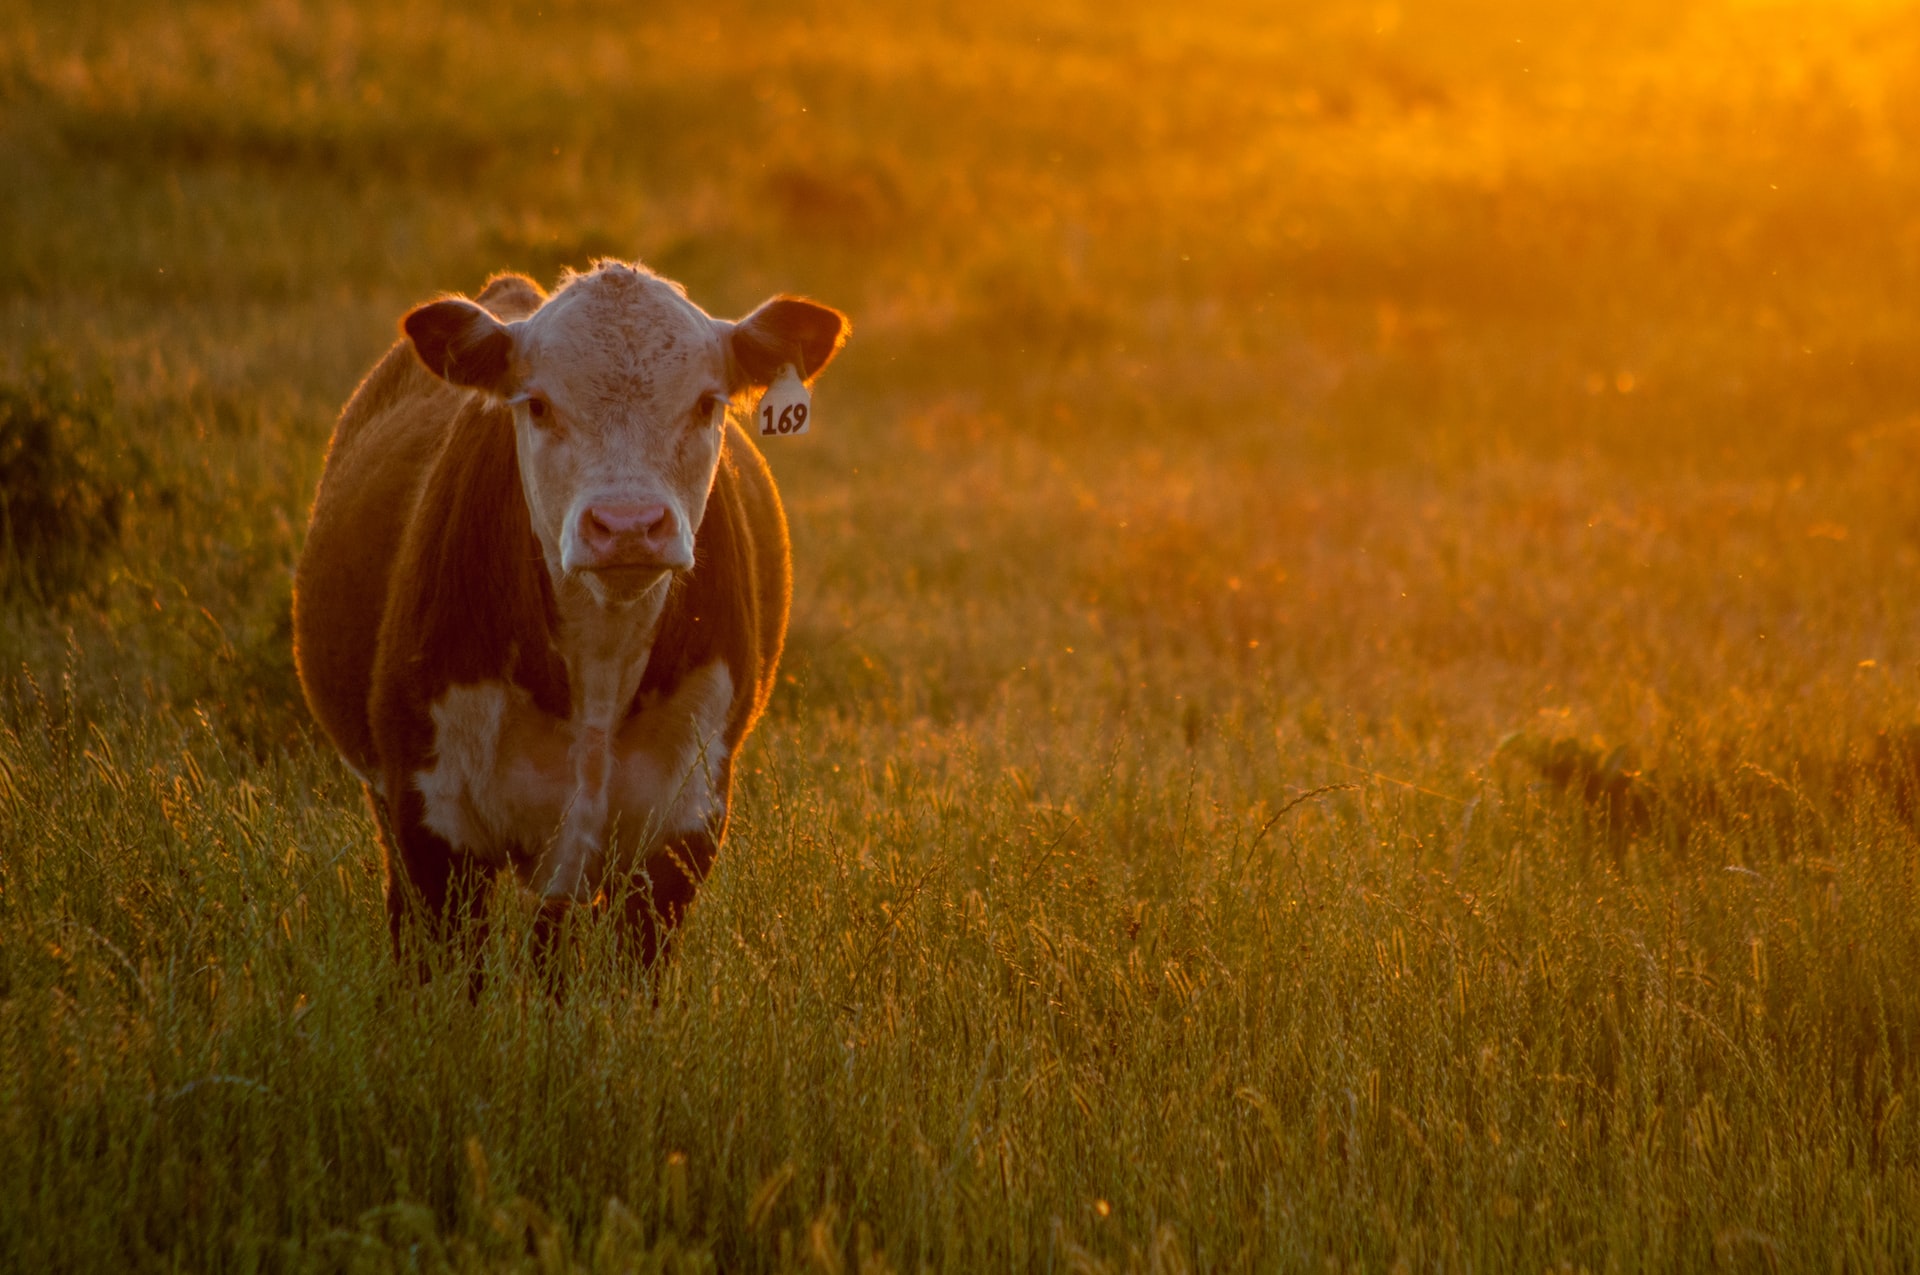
(627, 548)
(614, 537)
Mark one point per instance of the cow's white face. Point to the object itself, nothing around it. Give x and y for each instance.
(618, 409)
(619, 387)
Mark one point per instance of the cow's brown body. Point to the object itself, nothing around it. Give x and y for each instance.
(421, 573)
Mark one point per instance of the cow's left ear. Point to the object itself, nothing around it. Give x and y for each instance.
(784, 330)
(461, 343)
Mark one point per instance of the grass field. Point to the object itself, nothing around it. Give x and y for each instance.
(1354, 690)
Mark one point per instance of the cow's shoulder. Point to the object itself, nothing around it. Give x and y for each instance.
(383, 446)
(468, 599)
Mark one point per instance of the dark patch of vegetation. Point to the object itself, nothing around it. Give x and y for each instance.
(1692, 801)
(60, 510)
(336, 148)
(854, 203)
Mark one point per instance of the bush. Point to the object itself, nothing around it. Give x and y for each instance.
(59, 512)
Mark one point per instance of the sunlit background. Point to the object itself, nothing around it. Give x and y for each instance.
(1507, 409)
(1438, 333)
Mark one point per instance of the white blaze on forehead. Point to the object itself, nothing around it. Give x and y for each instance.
(511, 781)
(620, 338)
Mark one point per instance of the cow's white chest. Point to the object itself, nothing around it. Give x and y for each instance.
(559, 798)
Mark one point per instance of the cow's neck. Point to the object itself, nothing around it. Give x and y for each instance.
(605, 649)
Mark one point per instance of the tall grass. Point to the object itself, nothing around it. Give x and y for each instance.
(1351, 697)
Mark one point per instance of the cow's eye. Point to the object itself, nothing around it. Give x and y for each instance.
(539, 410)
(709, 404)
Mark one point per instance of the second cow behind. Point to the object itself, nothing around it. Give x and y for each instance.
(545, 588)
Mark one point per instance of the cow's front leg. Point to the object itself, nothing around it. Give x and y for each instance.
(660, 893)
(672, 779)
(568, 870)
(436, 896)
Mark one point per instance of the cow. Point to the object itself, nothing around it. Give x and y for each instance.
(544, 592)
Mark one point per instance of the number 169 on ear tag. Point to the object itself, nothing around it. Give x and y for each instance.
(786, 408)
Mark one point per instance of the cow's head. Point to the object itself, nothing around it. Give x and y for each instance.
(619, 387)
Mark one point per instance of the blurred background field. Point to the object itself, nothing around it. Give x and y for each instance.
(1352, 694)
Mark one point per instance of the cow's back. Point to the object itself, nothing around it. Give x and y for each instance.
(383, 446)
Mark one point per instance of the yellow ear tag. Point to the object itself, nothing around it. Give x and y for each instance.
(786, 408)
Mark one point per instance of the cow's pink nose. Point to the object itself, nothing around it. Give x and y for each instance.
(627, 535)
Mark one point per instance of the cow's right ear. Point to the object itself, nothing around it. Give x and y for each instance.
(461, 343)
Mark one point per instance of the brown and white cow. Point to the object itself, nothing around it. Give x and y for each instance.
(545, 588)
